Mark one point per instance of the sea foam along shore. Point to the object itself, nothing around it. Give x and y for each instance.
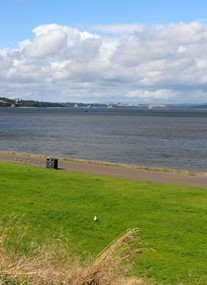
(135, 172)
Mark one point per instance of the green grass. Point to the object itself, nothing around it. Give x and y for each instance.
(172, 219)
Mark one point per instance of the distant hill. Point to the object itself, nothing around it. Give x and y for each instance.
(5, 102)
(201, 106)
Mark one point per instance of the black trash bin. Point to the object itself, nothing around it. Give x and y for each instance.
(52, 163)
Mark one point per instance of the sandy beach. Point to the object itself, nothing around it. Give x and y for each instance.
(134, 172)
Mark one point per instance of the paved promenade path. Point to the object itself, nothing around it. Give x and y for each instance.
(121, 171)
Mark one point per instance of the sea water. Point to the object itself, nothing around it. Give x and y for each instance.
(167, 138)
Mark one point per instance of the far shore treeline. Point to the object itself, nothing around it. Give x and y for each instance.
(6, 102)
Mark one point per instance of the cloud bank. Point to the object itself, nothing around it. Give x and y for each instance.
(117, 63)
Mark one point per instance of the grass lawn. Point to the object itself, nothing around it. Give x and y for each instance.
(172, 219)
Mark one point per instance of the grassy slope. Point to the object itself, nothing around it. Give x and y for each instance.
(172, 219)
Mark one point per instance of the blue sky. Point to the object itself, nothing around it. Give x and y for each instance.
(19, 17)
(104, 51)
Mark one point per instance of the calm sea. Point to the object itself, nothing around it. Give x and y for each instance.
(168, 138)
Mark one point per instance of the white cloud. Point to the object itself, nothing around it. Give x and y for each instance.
(129, 63)
(117, 28)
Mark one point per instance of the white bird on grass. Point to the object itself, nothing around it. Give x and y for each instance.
(95, 219)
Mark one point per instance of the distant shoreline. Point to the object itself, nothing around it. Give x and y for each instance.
(134, 172)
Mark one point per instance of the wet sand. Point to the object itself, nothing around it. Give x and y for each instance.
(133, 172)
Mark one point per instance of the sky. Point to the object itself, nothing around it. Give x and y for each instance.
(112, 51)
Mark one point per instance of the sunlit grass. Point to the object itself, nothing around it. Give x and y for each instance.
(172, 219)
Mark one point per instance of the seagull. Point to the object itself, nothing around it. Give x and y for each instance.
(95, 219)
